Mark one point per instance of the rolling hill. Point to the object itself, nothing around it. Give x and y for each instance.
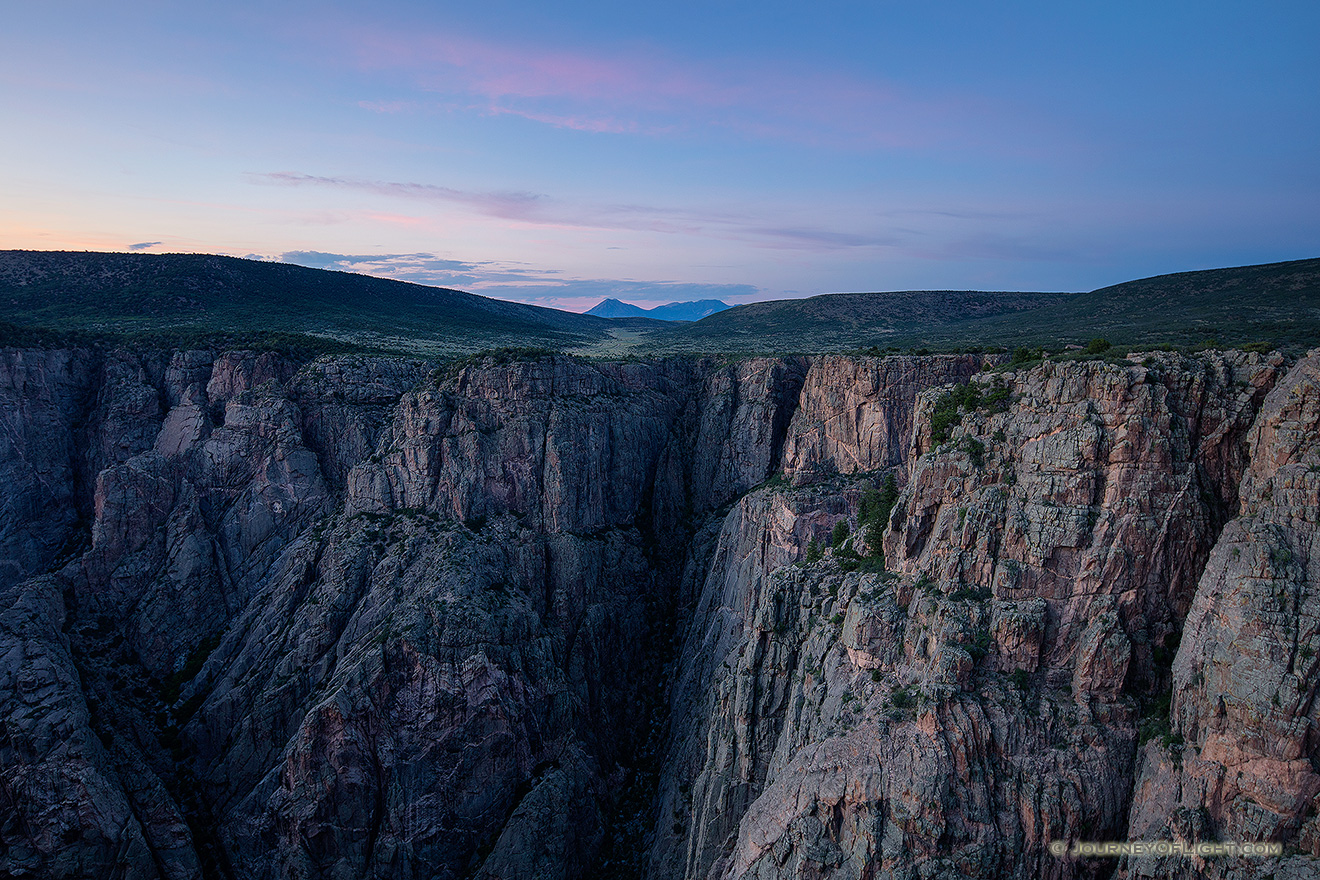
(116, 296)
(49, 297)
(1275, 303)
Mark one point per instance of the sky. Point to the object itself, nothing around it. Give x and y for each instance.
(562, 153)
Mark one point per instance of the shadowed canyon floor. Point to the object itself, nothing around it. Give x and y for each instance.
(360, 617)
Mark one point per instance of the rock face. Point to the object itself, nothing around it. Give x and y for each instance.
(1240, 760)
(42, 393)
(362, 617)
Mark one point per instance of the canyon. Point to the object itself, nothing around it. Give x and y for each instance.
(540, 616)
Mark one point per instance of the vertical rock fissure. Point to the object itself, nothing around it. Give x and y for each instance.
(789, 402)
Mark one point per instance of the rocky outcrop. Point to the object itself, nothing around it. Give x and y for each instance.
(42, 396)
(857, 414)
(988, 692)
(1238, 760)
(194, 476)
(76, 800)
(550, 618)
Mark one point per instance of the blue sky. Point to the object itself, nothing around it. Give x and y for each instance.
(560, 153)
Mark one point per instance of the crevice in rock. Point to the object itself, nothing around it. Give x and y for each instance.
(789, 401)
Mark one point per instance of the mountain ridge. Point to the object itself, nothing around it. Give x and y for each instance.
(693, 310)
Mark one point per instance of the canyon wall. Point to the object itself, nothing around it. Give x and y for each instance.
(365, 617)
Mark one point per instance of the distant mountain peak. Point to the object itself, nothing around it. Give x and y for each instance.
(679, 311)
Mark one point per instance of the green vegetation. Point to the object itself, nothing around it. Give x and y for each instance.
(1164, 653)
(975, 451)
(1155, 722)
(1275, 305)
(297, 346)
(949, 408)
(507, 354)
(1280, 557)
(980, 645)
(943, 419)
(173, 684)
(974, 594)
(873, 513)
(198, 300)
(839, 534)
(814, 552)
(947, 413)
(204, 301)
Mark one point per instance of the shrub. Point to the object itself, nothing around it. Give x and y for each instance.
(1280, 556)
(943, 419)
(873, 514)
(840, 534)
(975, 451)
(174, 682)
(1098, 346)
(947, 413)
(1154, 723)
(996, 399)
(980, 646)
(813, 551)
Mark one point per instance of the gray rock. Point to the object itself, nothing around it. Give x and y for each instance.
(545, 618)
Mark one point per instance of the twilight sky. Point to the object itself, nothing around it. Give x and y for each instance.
(562, 152)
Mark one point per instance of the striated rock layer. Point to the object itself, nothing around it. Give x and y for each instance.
(361, 617)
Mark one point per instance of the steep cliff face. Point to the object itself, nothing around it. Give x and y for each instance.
(1004, 682)
(554, 619)
(42, 395)
(1241, 760)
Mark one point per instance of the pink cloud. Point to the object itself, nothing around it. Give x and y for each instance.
(644, 93)
(499, 71)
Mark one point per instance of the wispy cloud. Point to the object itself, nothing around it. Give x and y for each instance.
(651, 94)
(543, 210)
(508, 205)
(143, 245)
(511, 281)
